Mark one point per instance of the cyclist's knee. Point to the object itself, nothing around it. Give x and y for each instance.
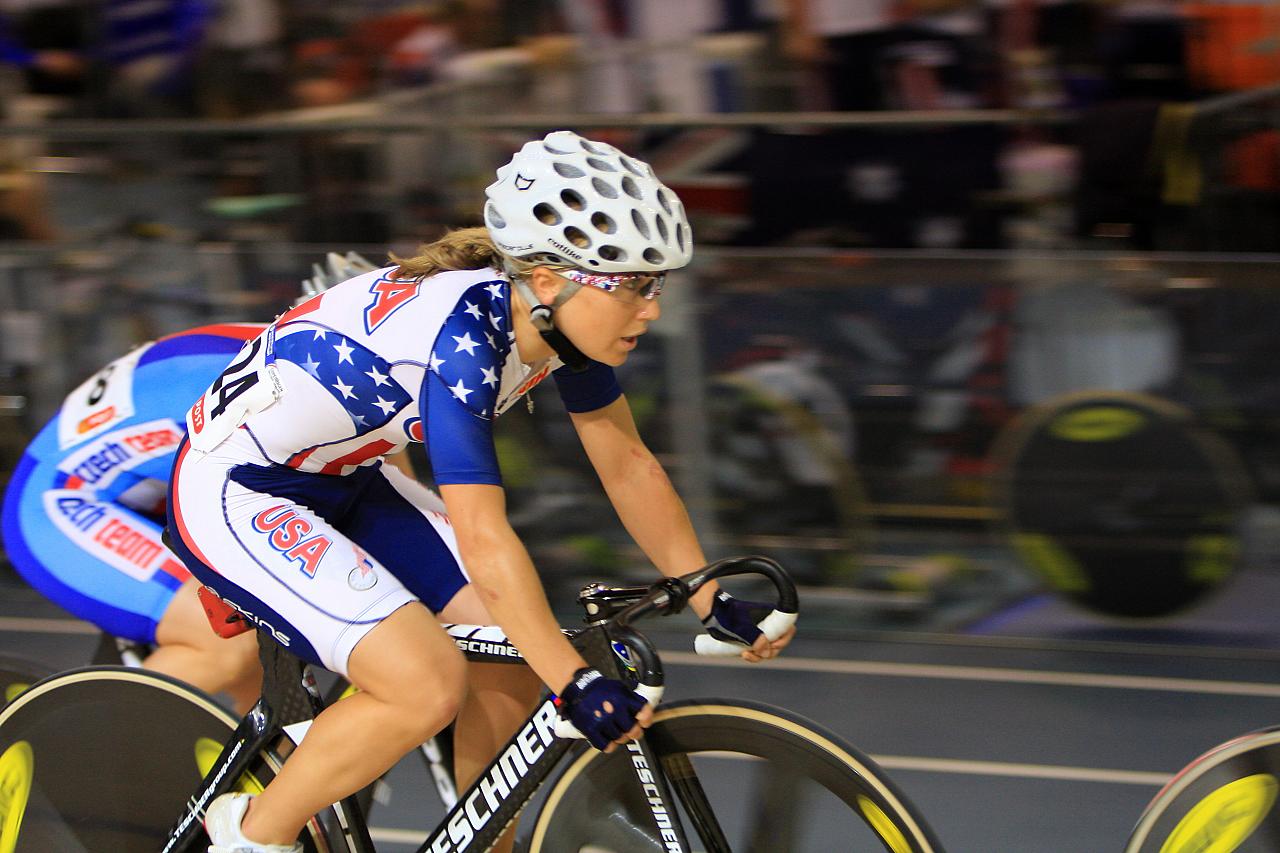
(424, 682)
(428, 698)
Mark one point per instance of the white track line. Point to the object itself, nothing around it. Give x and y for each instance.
(856, 667)
(997, 768)
(1022, 771)
(385, 835)
(22, 624)
(984, 673)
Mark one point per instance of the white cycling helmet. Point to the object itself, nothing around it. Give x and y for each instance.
(569, 200)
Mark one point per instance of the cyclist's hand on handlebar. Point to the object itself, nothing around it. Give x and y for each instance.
(733, 620)
(605, 710)
(764, 648)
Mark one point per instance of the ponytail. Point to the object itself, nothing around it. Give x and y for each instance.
(463, 249)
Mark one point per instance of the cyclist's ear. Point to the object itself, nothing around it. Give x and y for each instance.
(545, 284)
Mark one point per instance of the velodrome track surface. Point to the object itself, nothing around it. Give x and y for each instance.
(1007, 746)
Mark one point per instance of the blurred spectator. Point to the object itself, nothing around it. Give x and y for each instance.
(242, 65)
(149, 50)
(116, 58)
(937, 56)
(24, 207)
(1144, 50)
(325, 68)
(47, 40)
(890, 54)
(420, 55)
(838, 43)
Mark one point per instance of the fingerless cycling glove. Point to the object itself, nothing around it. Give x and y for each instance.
(582, 703)
(734, 621)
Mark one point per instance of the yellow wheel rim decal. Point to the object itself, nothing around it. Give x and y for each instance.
(14, 690)
(883, 825)
(17, 767)
(207, 752)
(1224, 819)
(1097, 423)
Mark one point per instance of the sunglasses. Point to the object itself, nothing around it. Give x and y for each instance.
(629, 286)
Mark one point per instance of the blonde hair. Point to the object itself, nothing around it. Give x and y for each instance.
(465, 249)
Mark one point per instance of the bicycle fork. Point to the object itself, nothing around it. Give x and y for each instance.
(629, 657)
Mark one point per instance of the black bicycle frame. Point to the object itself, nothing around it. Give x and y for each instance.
(493, 801)
(484, 810)
(289, 695)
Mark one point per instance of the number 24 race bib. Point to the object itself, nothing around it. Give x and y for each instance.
(250, 384)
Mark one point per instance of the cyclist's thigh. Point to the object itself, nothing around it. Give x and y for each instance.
(402, 525)
(288, 568)
(99, 560)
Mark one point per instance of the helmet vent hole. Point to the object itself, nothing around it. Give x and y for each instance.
(680, 236)
(641, 225)
(601, 165)
(597, 147)
(662, 229)
(568, 170)
(603, 223)
(630, 188)
(547, 214)
(612, 253)
(577, 237)
(494, 218)
(574, 200)
(653, 256)
(633, 167)
(664, 201)
(605, 188)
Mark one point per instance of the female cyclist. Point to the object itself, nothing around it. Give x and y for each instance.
(279, 501)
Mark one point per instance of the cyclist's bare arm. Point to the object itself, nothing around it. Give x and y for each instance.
(642, 494)
(648, 504)
(503, 574)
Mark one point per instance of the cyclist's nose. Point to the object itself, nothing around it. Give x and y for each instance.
(650, 309)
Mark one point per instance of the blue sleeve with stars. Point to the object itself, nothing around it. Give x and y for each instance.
(593, 388)
(460, 389)
(459, 443)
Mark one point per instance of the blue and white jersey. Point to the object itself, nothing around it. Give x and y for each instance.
(82, 510)
(364, 368)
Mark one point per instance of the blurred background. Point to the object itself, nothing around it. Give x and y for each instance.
(980, 334)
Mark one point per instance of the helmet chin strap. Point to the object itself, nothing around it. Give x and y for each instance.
(541, 318)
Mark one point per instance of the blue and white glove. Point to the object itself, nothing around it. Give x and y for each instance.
(732, 620)
(582, 703)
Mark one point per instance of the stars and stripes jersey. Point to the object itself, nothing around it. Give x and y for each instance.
(377, 362)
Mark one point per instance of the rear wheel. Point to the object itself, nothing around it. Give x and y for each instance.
(106, 758)
(747, 778)
(17, 674)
